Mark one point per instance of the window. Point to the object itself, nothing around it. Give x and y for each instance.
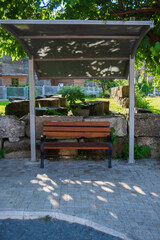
(15, 82)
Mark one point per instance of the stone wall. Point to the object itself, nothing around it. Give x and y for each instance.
(121, 95)
(17, 132)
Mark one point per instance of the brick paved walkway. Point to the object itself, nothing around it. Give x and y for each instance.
(125, 198)
(50, 230)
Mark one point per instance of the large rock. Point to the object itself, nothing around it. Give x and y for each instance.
(21, 108)
(122, 92)
(93, 108)
(98, 108)
(17, 154)
(119, 123)
(17, 108)
(48, 102)
(11, 127)
(147, 125)
(142, 110)
(152, 142)
(22, 145)
(41, 119)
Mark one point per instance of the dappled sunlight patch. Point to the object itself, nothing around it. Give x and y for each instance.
(34, 181)
(53, 202)
(102, 199)
(78, 182)
(44, 178)
(113, 215)
(134, 194)
(41, 183)
(111, 184)
(154, 194)
(68, 181)
(55, 194)
(92, 191)
(46, 189)
(67, 197)
(87, 181)
(125, 185)
(139, 190)
(107, 189)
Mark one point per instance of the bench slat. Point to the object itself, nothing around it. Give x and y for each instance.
(76, 129)
(76, 134)
(96, 124)
(73, 145)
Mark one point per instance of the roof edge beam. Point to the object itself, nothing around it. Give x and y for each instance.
(79, 59)
(82, 77)
(142, 34)
(79, 37)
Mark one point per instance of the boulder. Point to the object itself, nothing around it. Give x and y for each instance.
(119, 123)
(17, 154)
(142, 110)
(147, 125)
(11, 127)
(121, 92)
(17, 108)
(48, 102)
(98, 108)
(82, 112)
(21, 108)
(22, 145)
(41, 119)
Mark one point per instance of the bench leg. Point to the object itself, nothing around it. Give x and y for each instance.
(109, 153)
(42, 152)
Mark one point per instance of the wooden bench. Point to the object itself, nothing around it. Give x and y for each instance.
(76, 130)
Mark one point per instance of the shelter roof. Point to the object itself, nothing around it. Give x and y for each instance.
(79, 48)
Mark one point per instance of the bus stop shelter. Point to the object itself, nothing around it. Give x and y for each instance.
(66, 49)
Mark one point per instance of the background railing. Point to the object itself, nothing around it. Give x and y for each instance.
(23, 92)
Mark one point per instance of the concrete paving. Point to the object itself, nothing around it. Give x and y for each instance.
(124, 199)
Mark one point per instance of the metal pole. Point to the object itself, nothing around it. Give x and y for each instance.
(131, 110)
(32, 110)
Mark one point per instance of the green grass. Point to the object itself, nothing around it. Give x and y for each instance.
(2, 107)
(154, 104)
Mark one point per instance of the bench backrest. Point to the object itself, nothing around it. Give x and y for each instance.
(76, 129)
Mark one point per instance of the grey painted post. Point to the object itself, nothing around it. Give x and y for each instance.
(131, 110)
(32, 110)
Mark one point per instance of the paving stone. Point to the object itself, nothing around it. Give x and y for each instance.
(125, 198)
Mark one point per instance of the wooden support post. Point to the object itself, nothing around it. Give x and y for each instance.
(32, 110)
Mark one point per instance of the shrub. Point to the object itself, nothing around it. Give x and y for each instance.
(139, 152)
(140, 100)
(73, 93)
(54, 112)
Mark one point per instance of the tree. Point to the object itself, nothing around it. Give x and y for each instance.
(105, 84)
(19, 9)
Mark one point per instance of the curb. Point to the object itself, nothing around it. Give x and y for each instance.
(26, 215)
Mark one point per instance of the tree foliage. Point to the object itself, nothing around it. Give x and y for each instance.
(19, 9)
(149, 49)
